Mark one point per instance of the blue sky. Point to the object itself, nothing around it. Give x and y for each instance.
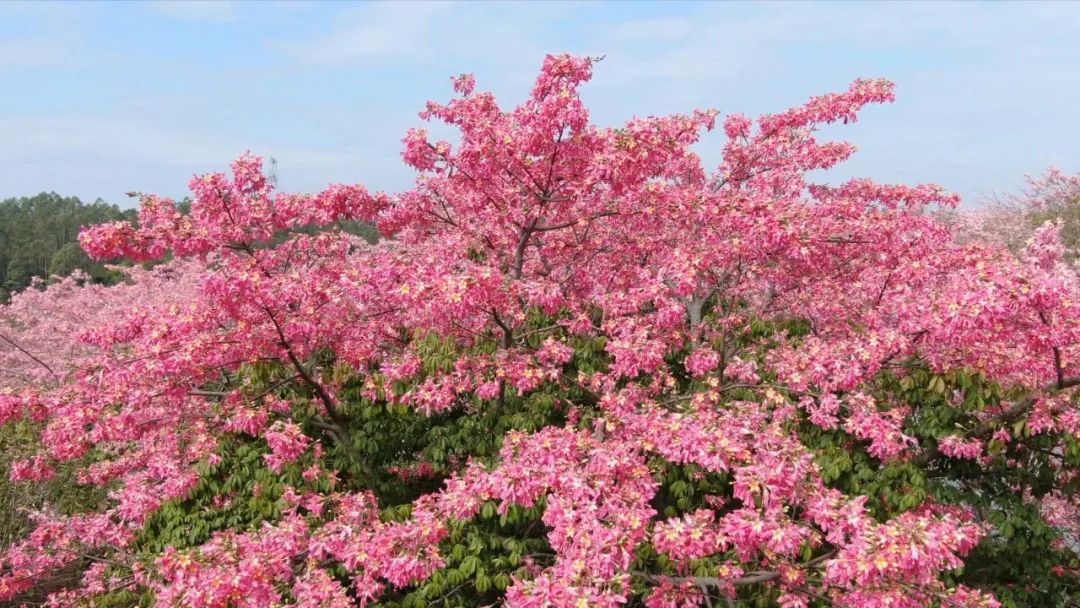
(99, 99)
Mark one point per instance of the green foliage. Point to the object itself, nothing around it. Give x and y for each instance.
(482, 555)
(379, 440)
(239, 494)
(68, 258)
(62, 493)
(1014, 560)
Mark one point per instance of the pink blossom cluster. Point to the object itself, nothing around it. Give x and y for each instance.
(287, 443)
(958, 447)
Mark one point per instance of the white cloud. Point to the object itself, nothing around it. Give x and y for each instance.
(380, 30)
(194, 10)
(125, 139)
(34, 53)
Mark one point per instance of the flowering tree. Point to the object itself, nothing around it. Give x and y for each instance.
(40, 329)
(581, 371)
(1055, 196)
(39, 347)
(1011, 220)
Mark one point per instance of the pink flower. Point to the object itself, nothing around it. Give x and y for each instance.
(702, 361)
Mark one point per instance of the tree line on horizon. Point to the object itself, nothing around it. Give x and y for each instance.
(39, 238)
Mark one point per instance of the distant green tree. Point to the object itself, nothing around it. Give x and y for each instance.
(69, 258)
(39, 237)
(18, 273)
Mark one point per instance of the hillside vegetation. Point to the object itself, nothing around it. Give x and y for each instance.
(39, 237)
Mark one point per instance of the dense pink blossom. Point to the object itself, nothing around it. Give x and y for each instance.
(625, 239)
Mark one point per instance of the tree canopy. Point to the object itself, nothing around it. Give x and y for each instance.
(581, 370)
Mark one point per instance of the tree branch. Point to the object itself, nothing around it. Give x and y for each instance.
(567, 224)
(988, 426)
(28, 354)
(761, 576)
(340, 424)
